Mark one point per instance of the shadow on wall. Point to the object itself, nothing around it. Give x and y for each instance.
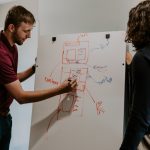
(44, 125)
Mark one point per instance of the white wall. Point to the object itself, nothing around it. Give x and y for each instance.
(22, 113)
(71, 16)
(135, 2)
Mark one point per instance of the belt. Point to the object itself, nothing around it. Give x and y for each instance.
(4, 114)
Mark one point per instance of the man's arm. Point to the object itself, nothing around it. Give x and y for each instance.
(26, 74)
(22, 96)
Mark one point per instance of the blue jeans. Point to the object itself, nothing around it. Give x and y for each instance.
(5, 132)
(136, 129)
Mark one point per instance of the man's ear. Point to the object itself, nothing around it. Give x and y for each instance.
(11, 27)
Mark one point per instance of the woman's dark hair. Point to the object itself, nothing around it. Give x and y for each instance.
(18, 14)
(138, 30)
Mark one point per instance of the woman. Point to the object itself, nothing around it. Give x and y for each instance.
(138, 33)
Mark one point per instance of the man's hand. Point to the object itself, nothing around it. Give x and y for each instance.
(68, 86)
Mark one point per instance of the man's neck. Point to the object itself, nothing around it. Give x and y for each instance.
(8, 35)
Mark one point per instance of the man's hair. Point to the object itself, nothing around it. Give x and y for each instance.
(18, 14)
(138, 30)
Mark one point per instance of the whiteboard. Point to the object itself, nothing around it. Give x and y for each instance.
(91, 117)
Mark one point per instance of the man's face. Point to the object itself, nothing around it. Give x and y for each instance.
(21, 33)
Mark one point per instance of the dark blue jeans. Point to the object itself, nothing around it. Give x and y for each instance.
(136, 129)
(5, 132)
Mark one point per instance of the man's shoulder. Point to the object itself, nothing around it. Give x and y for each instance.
(4, 56)
(2, 48)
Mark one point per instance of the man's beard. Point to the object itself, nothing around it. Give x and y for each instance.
(16, 39)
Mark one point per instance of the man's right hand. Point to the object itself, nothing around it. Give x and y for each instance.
(68, 86)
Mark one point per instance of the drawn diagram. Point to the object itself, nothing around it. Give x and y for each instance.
(75, 55)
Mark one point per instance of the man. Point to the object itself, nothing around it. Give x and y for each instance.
(18, 25)
(138, 33)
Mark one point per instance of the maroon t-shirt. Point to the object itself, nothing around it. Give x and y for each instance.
(8, 70)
